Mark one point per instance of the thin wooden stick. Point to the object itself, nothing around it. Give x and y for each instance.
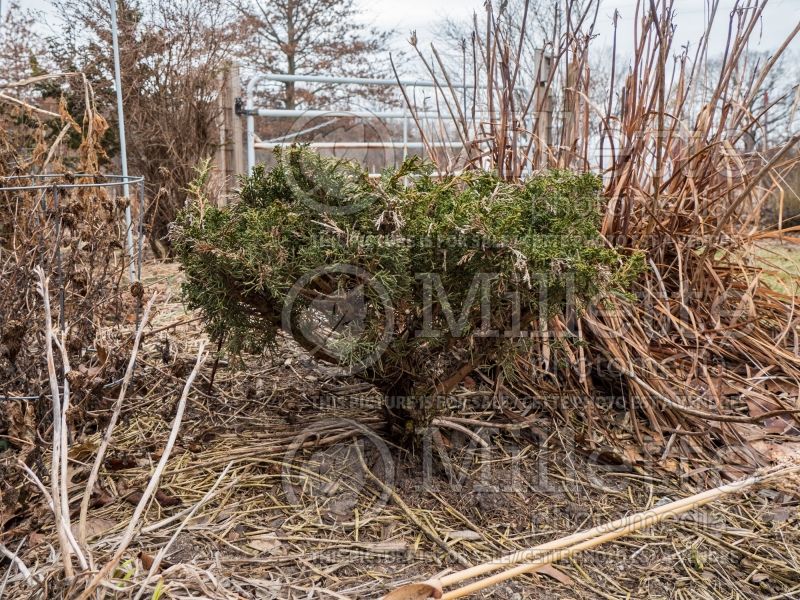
(446, 422)
(17, 561)
(152, 485)
(27, 106)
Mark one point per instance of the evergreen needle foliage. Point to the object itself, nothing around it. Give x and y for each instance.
(404, 279)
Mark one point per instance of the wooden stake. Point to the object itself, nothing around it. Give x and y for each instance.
(569, 546)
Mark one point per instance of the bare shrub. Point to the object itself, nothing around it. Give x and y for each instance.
(77, 233)
(171, 56)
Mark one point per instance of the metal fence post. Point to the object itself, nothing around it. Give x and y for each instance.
(123, 151)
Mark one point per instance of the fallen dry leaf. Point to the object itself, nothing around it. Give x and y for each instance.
(148, 560)
(133, 497)
(120, 463)
(100, 499)
(266, 543)
(553, 572)
(776, 452)
(416, 591)
(95, 527)
(167, 500)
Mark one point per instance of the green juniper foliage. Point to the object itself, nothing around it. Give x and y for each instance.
(402, 279)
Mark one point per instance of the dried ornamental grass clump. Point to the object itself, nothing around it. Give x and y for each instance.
(409, 281)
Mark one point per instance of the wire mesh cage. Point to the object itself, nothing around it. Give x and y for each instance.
(86, 231)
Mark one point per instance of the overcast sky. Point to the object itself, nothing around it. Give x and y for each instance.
(780, 17)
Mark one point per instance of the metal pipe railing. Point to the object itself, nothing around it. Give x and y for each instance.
(123, 152)
(117, 181)
(364, 145)
(250, 110)
(377, 114)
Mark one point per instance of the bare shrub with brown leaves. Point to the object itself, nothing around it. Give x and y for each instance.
(172, 55)
(71, 225)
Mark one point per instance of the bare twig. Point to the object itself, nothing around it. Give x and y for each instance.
(152, 485)
(16, 561)
(101, 452)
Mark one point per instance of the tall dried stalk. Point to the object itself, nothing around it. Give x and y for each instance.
(58, 497)
(59, 457)
(707, 346)
(152, 485)
(101, 452)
